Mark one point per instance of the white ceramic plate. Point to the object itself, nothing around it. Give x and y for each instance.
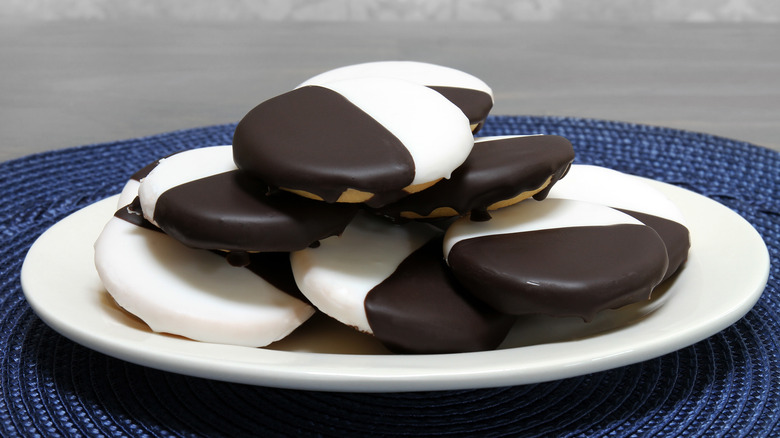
(726, 272)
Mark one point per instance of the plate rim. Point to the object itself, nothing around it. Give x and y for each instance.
(393, 373)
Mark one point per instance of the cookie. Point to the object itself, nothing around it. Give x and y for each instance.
(633, 197)
(391, 281)
(557, 257)
(469, 93)
(192, 293)
(229, 211)
(370, 140)
(500, 171)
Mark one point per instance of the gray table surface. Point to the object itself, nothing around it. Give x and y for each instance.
(71, 83)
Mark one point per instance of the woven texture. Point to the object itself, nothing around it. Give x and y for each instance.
(727, 385)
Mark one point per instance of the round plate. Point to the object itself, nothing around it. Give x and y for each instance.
(726, 272)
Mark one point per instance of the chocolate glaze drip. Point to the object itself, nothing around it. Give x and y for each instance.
(421, 308)
(479, 215)
(231, 211)
(475, 104)
(542, 194)
(494, 171)
(238, 258)
(273, 267)
(314, 139)
(675, 236)
(575, 271)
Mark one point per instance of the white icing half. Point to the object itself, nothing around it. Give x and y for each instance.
(181, 168)
(436, 133)
(189, 292)
(337, 276)
(615, 189)
(535, 215)
(418, 72)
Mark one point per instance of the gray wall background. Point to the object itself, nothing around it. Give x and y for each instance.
(706, 11)
(77, 72)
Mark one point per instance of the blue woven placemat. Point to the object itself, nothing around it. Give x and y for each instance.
(727, 385)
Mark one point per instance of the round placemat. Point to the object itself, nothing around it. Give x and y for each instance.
(728, 384)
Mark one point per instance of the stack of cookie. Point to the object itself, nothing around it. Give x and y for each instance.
(364, 194)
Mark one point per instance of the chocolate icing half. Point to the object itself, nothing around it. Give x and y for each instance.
(574, 271)
(495, 170)
(314, 139)
(475, 104)
(675, 236)
(231, 211)
(421, 308)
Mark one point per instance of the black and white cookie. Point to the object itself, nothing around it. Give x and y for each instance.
(391, 281)
(194, 293)
(633, 197)
(557, 257)
(370, 140)
(201, 199)
(472, 95)
(500, 171)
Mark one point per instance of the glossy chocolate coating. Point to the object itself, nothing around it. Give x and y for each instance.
(675, 236)
(314, 139)
(421, 308)
(574, 271)
(494, 171)
(231, 211)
